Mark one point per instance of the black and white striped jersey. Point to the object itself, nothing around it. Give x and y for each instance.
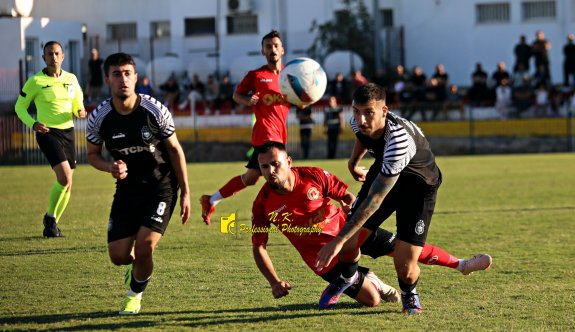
(402, 148)
(136, 138)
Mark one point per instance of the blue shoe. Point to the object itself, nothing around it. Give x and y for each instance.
(331, 294)
(411, 305)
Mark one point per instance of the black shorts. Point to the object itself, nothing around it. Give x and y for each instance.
(412, 200)
(58, 146)
(148, 207)
(379, 243)
(352, 290)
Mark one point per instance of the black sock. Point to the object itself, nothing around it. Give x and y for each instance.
(136, 286)
(405, 288)
(348, 269)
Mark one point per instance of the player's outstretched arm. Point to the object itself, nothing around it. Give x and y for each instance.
(280, 288)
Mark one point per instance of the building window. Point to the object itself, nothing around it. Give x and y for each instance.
(200, 26)
(536, 10)
(122, 31)
(386, 18)
(492, 13)
(242, 24)
(160, 29)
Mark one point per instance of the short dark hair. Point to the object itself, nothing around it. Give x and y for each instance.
(118, 59)
(367, 92)
(268, 146)
(270, 35)
(50, 43)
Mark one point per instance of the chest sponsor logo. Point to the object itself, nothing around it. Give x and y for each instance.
(266, 80)
(312, 194)
(118, 135)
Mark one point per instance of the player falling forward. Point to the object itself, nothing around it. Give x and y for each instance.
(260, 90)
(297, 200)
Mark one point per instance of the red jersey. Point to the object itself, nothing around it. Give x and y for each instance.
(271, 110)
(306, 216)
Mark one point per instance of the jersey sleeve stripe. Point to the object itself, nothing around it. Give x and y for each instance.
(95, 122)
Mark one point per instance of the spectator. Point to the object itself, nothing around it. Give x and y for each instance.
(305, 126)
(542, 100)
(503, 98)
(523, 53)
(569, 61)
(334, 124)
(226, 92)
(522, 97)
(541, 76)
(145, 86)
(339, 87)
(95, 77)
(540, 49)
(170, 92)
(500, 73)
(454, 100)
(441, 76)
(519, 75)
(417, 85)
(211, 93)
(479, 94)
(357, 80)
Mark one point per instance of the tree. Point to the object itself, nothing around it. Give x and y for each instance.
(350, 30)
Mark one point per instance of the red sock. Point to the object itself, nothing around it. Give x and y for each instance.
(432, 255)
(232, 187)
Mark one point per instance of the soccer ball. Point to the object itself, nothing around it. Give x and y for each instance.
(303, 81)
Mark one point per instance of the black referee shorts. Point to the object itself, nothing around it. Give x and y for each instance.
(58, 145)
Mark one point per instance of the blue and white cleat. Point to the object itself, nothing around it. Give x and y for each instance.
(333, 291)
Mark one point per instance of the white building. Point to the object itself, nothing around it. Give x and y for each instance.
(457, 33)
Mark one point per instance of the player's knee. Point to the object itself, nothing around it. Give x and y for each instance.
(119, 259)
(373, 301)
(408, 272)
(144, 251)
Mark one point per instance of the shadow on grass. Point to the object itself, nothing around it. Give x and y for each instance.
(188, 318)
(51, 251)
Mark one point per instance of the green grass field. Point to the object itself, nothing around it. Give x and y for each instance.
(518, 208)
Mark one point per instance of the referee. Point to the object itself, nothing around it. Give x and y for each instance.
(57, 95)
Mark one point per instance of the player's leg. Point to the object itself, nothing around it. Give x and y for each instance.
(415, 202)
(58, 148)
(382, 243)
(368, 289)
(236, 184)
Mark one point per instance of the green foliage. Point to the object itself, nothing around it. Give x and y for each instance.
(518, 208)
(350, 30)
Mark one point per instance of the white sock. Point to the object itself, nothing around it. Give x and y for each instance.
(136, 295)
(348, 280)
(460, 266)
(216, 198)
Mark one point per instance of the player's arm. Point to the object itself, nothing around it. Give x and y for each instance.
(347, 201)
(380, 187)
(24, 100)
(263, 261)
(118, 168)
(357, 172)
(246, 100)
(178, 160)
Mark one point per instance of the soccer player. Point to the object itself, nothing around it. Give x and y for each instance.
(57, 96)
(403, 178)
(260, 90)
(149, 167)
(297, 200)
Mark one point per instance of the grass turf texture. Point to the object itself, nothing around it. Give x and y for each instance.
(518, 208)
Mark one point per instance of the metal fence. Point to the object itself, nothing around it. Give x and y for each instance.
(227, 137)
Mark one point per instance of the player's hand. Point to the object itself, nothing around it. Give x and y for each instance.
(327, 254)
(345, 207)
(39, 127)
(82, 114)
(358, 173)
(280, 289)
(184, 207)
(119, 170)
(254, 99)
